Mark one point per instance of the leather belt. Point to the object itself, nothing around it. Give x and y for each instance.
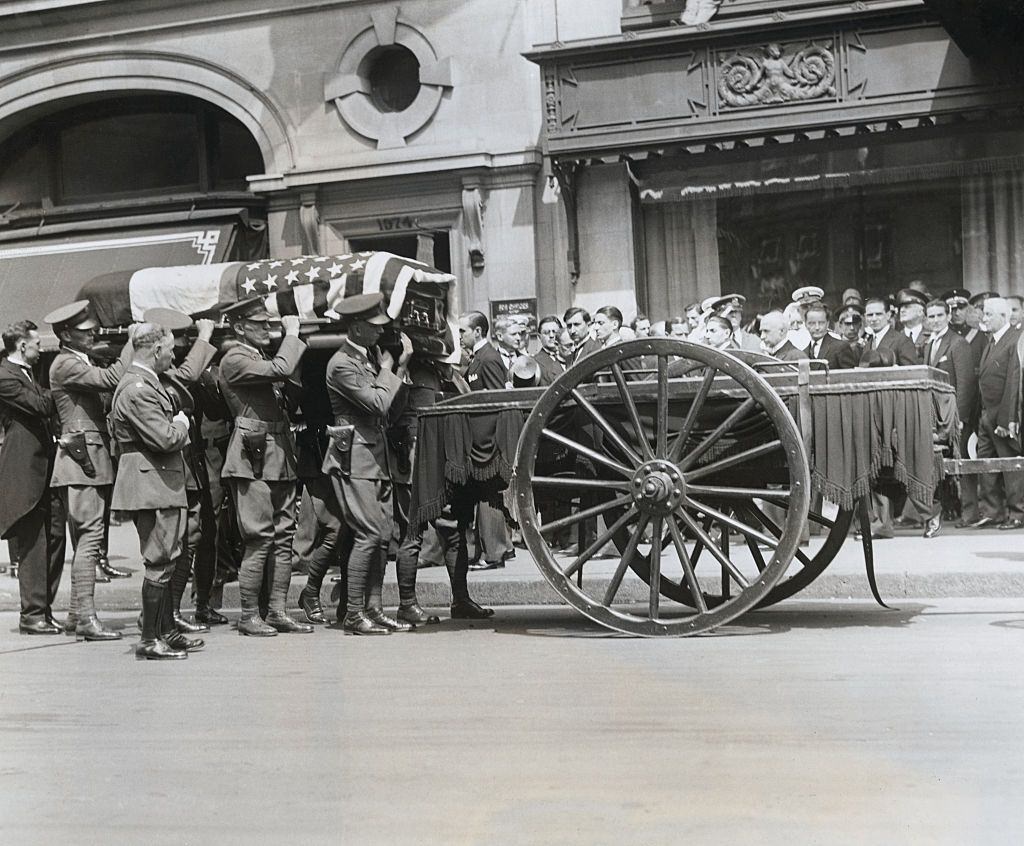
(250, 424)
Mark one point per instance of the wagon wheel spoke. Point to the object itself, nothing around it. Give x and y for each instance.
(576, 482)
(733, 460)
(606, 427)
(775, 529)
(698, 546)
(737, 493)
(661, 417)
(586, 514)
(691, 415)
(655, 567)
(625, 561)
(631, 412)
(738, 525)
(712, 547)
(820, 519)
(587, 452)
(592, 550)
(688, 574)
(741, 411)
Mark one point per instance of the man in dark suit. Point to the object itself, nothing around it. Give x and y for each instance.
(548, 363)
(577, 324)
(26, 461)
(911, 304)
(824, 346)
(149, 437)
(774, 338)
(999, 426)
(883, 337)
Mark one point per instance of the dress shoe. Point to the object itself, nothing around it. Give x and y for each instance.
(417, 616)
(487, 565)
(508, 555)
(157, 650)
(907, 523)
(111, 571)
(101, 577)
(1010, 525)
(984, 522)
(185, 627)
(467, 609)
(932, 527)
(378, 616)
(281, 622)
(252, 625)
(90, 628)
(210, 617)
(311, 607)
(176, 640)
(357, 623)
(39, 627)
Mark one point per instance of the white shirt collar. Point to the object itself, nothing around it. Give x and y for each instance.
(940, 334)
(996, 336)
(881, 334)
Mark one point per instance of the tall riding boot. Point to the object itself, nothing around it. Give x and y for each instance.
(169, 632)
(151, 646)
(409, 610)
(463, 606)
(251, 622)
(361, 564)
(72, 621)
(278, 616)
(204, 565)
(375, 597)
(178, 583)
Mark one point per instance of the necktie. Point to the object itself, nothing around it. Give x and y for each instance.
(28, 375)
(874, 341)
(817, 349)
(934, 353)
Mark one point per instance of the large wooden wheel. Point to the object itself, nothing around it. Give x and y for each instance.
(655, 460)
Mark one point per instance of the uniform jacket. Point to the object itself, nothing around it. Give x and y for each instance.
(26, 457)
(248, 381)
(788, 352)
(902, 347)
(79, 390)
(178, 382)
(838, 353)
(151, 469)
(363, 396)
(953, 356)
(998, 376)
(487, 372)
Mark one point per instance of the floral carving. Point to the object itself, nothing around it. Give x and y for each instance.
(550, 102)
(771, 77)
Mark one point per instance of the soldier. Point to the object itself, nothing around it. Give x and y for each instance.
(911, 304)
(850, 324)
(83, 469)
(149, 437)
(731, 308)
(178, 382)
(365, 384)
(260, 463)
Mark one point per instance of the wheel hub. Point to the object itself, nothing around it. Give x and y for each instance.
(658, 487)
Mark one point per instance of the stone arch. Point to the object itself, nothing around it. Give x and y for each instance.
(147, 71)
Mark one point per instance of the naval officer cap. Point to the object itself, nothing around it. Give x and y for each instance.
(76, 315)
(956, 296)
(171, 319)
(808, 294)
(911, 296)
(252, 309)
(728, 301)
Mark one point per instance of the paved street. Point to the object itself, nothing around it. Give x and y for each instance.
(815, 722)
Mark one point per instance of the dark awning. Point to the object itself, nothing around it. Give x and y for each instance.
(39, 274)
(983, 29)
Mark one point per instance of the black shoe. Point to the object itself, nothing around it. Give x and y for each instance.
(90, 629)
(185, 627)
(931, 529)
(311, 607)
(487, 565)
(281, 622)
(1010, 525)
(39, 627)
(101, 577)
(467, 609)
(508, 555)
(112, 572)
(253, 626)
(983, 522)
(412, 613)
(157, 650)
(357, 623)
(378, 616)
(210, 617)
(176, 640)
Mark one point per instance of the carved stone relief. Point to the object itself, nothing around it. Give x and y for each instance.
(770, 76)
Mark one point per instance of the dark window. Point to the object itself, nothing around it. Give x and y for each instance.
(392, 74)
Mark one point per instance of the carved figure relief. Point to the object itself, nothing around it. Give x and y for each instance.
(699, 11)
(752, 80)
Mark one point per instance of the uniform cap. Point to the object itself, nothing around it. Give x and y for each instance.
(853, 312)
(979, 299)
(808, 294)
(251, 309)
(911, 296)
(733, 300)
(169, 318)
(365, 307)
(960, 295)
(708, 304)
(72, 316)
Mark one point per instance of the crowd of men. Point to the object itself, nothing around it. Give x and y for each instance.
(208, 449)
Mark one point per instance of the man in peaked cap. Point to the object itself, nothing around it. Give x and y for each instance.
(911, 304)
(366, 385)
(808, 294)
(260, 463)
(83, 470)
(731, 308)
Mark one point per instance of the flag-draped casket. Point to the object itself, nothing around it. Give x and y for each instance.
(419, 298)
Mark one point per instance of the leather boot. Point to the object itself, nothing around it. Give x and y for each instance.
(413, 613)
(252, 625)
(185, 627)
(176, 640)
(311, 607)
(158, 650)
(90, 628)
(467, 609)
(103, 565)
(208, 616)
(378, 616)
(357, 623)
(280, 621)
(101, 577)
(151, 647)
